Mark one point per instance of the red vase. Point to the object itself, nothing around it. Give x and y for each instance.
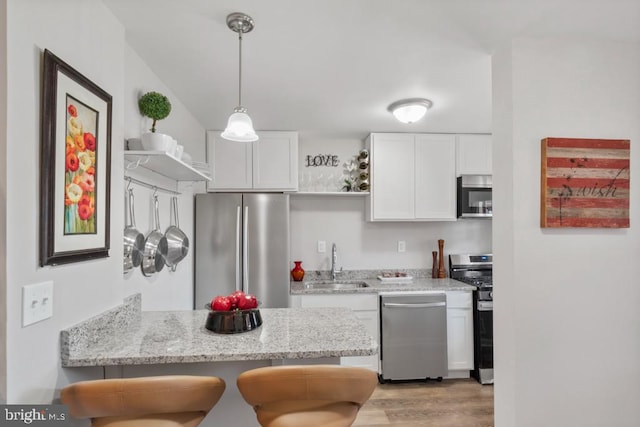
(298, 272)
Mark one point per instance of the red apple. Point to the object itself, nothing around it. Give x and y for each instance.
(220, 303)
(233, 299)
(254, 301)
(247, 302)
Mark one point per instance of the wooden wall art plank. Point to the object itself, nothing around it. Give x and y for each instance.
(585, 183)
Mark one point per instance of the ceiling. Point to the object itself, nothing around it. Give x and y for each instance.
(330, 68)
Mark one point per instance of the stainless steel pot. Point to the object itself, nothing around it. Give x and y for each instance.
(155, 246)
(177, 240)
(133, 239)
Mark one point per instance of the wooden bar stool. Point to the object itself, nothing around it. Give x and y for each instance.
(163, 401)
(305, 396)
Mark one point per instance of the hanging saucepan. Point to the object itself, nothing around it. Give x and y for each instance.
(133, 239)
(155, 246)
(177, 240)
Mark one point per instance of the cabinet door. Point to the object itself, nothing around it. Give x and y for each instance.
(356, 302)
(230, 163)
(460, 338)
(474, 155)
(392, 175)
(275, 161)
(365, 308)
(435, 176)
(370, 320)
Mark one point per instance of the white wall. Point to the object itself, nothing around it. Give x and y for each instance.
(567, 323)
(95, 46)
(3, 192)
(362, 244)
(165, 290)
(87, 36)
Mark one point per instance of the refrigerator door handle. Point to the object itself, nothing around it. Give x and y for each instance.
(238, 283)
(245, 249)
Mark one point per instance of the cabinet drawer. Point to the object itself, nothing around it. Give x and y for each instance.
(352, 301)
(459, 299)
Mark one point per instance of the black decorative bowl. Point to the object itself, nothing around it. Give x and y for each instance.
(233, 322)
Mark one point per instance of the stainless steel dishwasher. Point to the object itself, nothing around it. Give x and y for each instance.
(413, 331)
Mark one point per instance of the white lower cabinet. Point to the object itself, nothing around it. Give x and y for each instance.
(460, 332)
(366, 309)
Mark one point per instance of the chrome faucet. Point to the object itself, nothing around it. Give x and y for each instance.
(334, 261)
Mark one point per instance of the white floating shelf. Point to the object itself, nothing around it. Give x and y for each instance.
(331, 193)
(163, 164)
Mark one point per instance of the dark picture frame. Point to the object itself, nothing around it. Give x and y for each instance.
(75, 166)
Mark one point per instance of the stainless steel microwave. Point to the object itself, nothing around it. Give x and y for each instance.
(474, 196)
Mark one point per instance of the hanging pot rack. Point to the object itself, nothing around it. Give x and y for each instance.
(150, 186)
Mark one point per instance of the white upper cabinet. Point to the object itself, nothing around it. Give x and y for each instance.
(230, 163)
(413, 177)
(269, 164)
(474, 155)
(435, 168)
(392, 176)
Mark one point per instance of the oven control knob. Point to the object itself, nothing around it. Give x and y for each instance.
(491, 294)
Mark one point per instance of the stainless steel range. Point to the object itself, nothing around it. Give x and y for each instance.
(477, 270)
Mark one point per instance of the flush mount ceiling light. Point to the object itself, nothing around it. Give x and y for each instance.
(410, 110)
(239, 127)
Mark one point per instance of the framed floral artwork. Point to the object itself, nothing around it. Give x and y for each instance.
(75, 166)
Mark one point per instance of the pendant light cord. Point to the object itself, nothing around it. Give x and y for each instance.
(240, 70)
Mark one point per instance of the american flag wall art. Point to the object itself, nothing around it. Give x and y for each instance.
(585, 183)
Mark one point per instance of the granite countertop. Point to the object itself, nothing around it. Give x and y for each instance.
(136, 338)
(375, 285)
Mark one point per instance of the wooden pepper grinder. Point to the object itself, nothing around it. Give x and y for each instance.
(441, 272)
(434, 268)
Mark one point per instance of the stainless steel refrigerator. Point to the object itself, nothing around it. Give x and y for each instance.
(242, 242)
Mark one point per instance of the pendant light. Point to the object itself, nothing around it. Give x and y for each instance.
(239, 127)
(410, 110)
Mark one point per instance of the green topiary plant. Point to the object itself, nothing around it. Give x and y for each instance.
(154, 105)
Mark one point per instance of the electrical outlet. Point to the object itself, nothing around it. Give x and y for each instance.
(402, 246)
(322, 246)
(37, 302)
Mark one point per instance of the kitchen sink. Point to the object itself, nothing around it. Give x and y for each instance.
(336, 284)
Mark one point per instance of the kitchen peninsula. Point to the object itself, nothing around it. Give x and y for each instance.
(128, 336)
(128, 342)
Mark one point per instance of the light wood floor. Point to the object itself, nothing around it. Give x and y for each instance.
(450, 403)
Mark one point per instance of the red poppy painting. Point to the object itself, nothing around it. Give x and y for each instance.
(80, 161)
(75, 163)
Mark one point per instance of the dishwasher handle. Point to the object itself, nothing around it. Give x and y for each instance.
(413, 305)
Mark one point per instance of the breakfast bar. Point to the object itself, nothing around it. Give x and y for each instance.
(158, 337)
(128, 342)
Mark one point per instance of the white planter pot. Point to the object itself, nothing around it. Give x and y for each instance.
(153, 141)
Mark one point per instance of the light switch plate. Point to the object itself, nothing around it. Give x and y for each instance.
(37, 302)
(322, 246)
(402, 246)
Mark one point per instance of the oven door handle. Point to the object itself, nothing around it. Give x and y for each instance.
(485, 305)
